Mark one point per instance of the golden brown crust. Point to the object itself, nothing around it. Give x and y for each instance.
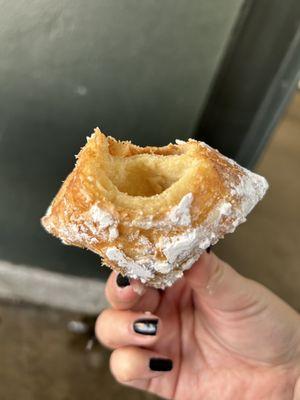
(134, 205)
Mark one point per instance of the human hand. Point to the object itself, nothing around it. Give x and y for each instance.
(218, 335)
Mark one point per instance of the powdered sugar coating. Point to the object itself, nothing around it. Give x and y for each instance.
(113, 233)
(180, 215)
(86, 228)
(133, 269)
(72, 233)
(101, 218)
(142, 268)
(251, 189)
(181, 251)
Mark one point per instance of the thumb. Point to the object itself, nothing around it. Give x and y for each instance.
(218, 285)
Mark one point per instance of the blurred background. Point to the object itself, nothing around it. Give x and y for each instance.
(225, 72)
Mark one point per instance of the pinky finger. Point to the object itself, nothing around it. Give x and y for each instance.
(135, 366)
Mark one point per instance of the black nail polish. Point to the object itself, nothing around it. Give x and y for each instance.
(160, 364)
(145, 326)
(122, 281)
(208, 249)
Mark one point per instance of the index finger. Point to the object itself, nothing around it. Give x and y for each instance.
(133, 295)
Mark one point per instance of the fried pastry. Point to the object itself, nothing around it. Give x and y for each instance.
(150, 212)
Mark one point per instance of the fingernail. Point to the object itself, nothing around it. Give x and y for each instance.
(146, 326)
(208, 249)
(160, 364)
(122, 281)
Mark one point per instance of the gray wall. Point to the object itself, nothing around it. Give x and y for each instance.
(141, 70)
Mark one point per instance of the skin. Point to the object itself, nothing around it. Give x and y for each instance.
(228, 337)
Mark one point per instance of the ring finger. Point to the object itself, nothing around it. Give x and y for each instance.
(115, 328)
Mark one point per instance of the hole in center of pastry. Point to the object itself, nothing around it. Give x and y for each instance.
(146, 175)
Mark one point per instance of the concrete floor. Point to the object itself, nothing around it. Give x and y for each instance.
(42, 359)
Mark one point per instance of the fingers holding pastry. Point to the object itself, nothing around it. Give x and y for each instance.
(125, 294)
(115, 328)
